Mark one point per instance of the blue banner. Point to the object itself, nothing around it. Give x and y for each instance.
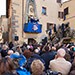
(31, 27)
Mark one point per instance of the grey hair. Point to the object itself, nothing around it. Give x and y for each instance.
(61, 52)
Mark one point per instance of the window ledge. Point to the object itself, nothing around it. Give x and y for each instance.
(43, 14)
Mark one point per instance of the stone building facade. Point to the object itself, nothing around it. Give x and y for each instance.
(70, 17)
(45, 10)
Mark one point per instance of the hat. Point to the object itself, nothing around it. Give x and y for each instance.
(31, 47)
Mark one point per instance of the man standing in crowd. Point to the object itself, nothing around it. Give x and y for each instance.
(59, 64)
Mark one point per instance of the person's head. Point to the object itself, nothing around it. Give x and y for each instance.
(61, 52)
(28, 46)
(11, 45)
(6, 65)
(4, 47)
(71, 48)
(37, 67)
(27, 54)
(36, 51)
(18, 48)
(16, 53)
(67, 57)
(39, 45)
(46, 48)
(53, 48)
(24, 44)
(10, 52)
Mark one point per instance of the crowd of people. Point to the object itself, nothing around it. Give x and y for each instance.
(37, 59)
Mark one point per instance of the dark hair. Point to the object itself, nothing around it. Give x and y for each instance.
(46, 48)
(24, 44)
(6, 65)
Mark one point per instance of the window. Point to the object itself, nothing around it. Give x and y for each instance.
(60, 14)
(66, 11)
(44, 10)
(49, 26)
(58, 1)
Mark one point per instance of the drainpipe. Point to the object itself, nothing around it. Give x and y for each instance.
(23, 19)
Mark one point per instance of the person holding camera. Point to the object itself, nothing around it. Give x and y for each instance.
(59, 64)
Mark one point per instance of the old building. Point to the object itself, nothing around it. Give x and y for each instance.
(69, 10)
(4, 28)
(19, 11)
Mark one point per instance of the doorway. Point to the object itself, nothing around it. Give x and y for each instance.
(31, 41)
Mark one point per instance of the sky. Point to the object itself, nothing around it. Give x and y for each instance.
(2, 7)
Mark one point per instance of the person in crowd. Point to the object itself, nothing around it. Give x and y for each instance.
(11, 45)
(72, 71)
(18, 49)
(31, 48)
(16, 53)
(71, 53)
(59, 64)
(10, 52)
(37, 68)
(67, 57)
(31, 59)
(39, 47)
(53, 50)
(0, 48)
(7, 67)
(47, 56)
(20, 69)
(28, 46)
(4, 51)
(27, 54)
(36, 51)
(24, 47)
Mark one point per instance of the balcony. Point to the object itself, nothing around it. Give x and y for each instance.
(33, 27)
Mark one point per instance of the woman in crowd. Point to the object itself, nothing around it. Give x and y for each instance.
(7, 67)
(37, 68)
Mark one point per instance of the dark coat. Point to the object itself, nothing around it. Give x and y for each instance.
(4, 53)
(47, 57)
(31, 59)
(72, 69)
(9, 74)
